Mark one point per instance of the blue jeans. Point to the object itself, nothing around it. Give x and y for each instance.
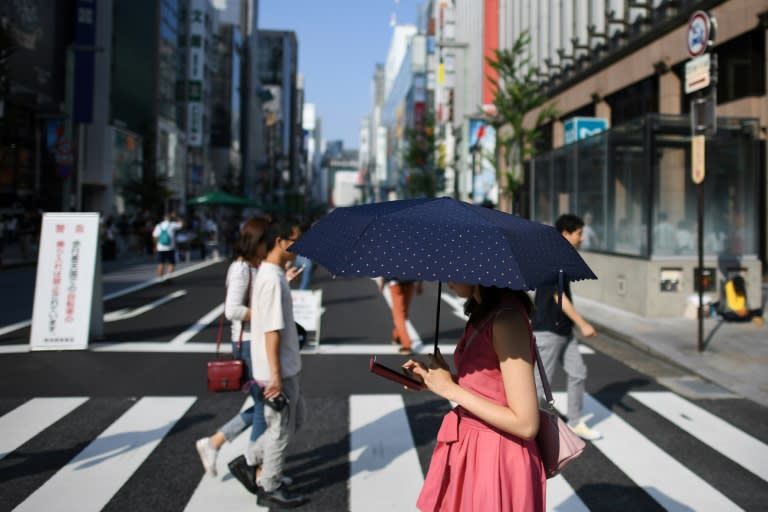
(254, 415)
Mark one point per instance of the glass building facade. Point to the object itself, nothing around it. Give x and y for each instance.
(632, 185)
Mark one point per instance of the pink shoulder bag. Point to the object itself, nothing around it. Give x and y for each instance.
(558, 445)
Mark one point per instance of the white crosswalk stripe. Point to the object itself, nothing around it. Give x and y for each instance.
(640, 460)
(35, 416)
(89, 480)
(223, 492)
(385, 471)
(709, 429)
(382, 456)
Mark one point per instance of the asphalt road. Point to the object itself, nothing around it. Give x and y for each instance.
(112, 429)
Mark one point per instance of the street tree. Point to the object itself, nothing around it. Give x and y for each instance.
(517, 92)
(419, 159)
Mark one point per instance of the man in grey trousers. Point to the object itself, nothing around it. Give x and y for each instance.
(276, 363)
(556, 340)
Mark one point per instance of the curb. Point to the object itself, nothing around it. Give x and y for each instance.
(634, 342)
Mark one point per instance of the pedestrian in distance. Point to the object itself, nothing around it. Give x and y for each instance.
(486, 457)
(553, 328)
(276, 361)
(249, 251)
(401, 293)
(734, 305)
(164, 237)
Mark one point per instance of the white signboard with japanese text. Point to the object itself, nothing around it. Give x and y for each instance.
(64, 289)
(307, 310)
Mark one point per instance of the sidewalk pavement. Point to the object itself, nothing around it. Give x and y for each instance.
(735, 355)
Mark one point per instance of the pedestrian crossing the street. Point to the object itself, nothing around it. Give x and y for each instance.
(89, 454)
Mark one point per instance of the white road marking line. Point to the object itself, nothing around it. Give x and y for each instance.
(89, 480)
(125, 291)
(223, 492)
(740, 447)
(456, 304)
(199, 348)
(372, 349)
(124, 314)
(198, 326)
(15, 327)
(562, 498)
(384, 466)
(640, 459)
(155, 280)
(30, 418)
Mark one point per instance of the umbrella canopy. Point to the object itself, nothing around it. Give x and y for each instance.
(441, 239)
(221, 198)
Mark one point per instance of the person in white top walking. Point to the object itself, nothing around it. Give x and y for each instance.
(276, 366)
(164, 236)
(250, 250)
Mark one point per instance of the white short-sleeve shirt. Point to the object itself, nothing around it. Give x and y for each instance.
(272, 310)
(171, 228)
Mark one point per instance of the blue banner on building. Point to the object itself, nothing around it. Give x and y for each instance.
(84, 55)
(578, 128)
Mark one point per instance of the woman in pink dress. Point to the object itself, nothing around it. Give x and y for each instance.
(486, 457)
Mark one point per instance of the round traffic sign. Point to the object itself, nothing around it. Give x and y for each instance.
(698, 33)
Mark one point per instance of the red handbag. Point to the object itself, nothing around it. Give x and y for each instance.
(558, 445)
(228, 374)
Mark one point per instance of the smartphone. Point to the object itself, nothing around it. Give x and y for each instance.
(400, 377)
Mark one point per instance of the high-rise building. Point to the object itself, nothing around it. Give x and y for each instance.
(146, 67)
(277, 73)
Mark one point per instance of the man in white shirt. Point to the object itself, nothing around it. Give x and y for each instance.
(276, 366)
(164, 236)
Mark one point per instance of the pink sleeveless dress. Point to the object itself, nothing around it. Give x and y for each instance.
(476, 466)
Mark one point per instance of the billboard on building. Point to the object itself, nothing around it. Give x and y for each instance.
(195, 72)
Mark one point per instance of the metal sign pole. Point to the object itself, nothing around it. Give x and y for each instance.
(701, 73)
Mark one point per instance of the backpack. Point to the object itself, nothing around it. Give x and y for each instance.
(164, 238)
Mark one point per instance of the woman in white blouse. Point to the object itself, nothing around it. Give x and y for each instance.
(249, 251)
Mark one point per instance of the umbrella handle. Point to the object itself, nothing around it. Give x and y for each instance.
(437, 314)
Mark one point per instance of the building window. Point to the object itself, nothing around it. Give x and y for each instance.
(634, 101)
(741, 67)
(632, 185)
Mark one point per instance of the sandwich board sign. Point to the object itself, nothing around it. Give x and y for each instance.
(68, 304)
(307, 310)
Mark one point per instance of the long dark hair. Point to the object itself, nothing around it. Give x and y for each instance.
(490, 298)
(251, 235)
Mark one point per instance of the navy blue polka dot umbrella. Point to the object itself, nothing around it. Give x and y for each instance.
(441, 239)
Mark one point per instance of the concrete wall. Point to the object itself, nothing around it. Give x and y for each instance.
(633, 284)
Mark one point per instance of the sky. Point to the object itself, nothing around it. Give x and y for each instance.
(340, 43)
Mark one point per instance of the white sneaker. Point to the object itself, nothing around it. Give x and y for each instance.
(583, 431)
(207, 454)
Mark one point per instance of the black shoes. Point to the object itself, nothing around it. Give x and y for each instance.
(244, 473)
(280, 498)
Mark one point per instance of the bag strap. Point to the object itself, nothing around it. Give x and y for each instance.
(218, 335)
(543, 375)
